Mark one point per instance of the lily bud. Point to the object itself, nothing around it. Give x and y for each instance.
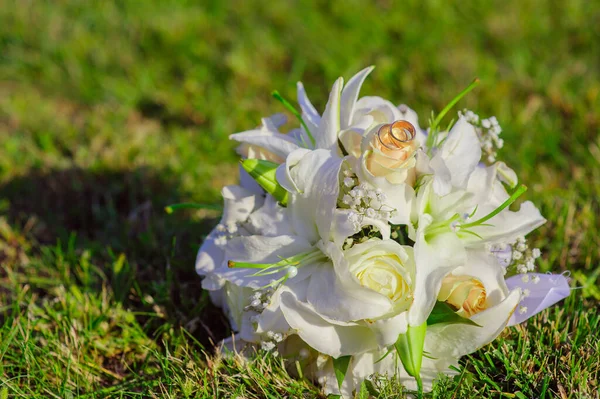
(263, 172)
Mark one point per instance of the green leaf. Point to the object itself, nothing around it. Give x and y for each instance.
(384, 356)
(294, 112)
(340, 367)
(263, 172)
(443, 313)
(410, 350)
(518, 192)
(433, 129)
(363, 393)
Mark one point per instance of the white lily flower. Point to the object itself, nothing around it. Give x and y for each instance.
(491, 308)
(448, 230)
(238, 205)
(346, 117)
(312, 177)
(455, 160)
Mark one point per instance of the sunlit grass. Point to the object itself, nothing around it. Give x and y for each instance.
(110, 111)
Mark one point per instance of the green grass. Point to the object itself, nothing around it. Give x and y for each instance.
(110, 111)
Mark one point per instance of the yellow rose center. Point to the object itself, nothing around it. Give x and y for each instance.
(381, 274)
(464, 293)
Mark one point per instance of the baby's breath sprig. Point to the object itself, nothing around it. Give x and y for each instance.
(363, 200)
(488, 130)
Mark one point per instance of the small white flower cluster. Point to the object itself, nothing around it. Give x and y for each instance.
(488, 131)
(225, 232)
(523, 257)
(260, 299)
(364, 201)
(515, 255)
(525, 278)
(270, 342)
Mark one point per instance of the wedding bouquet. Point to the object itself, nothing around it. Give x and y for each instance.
(359, 244)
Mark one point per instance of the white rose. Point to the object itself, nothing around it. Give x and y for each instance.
(356, 303)
(389, 152)
(384, 267)
(464, 293)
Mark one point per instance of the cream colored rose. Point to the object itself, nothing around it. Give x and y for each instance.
(389, 151)
(464, 293)
(250, 151)
(383, 266)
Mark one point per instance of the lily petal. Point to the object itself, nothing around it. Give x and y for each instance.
(435, 257)
(329, 126)
(350, 95)
(270, 220)
(309, 113)
(331, 339)
(316, 176)
(507, 225)
(238, 205)
(334, 294)
(461, 152)
(279, 144)
(268, 137)
(456, 340)
(260, 249)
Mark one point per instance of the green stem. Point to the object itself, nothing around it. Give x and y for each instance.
(295, 112)
(246, 265)
(295, 260)
(518, 192)
(419, 386)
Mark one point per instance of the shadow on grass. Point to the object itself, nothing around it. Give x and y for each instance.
(117, 219)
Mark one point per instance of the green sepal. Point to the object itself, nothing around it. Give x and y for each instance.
(410, 350)
(340, 367)
(443, 313)
(263, 172)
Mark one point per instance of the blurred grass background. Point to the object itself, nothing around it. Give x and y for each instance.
(111, 110)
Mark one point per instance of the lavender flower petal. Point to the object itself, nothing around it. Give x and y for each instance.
(540, 291)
